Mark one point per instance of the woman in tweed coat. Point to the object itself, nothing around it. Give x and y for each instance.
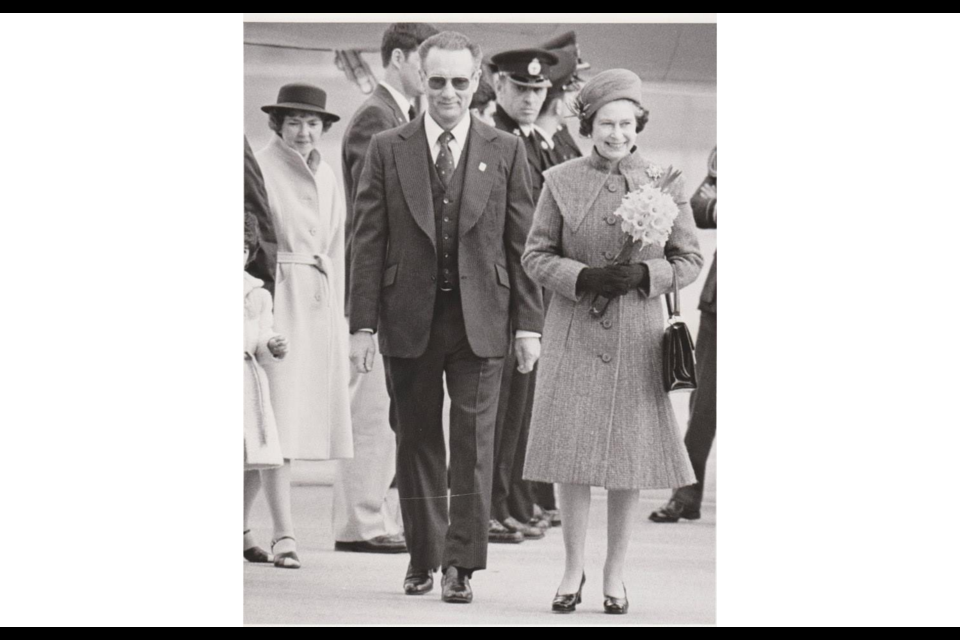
(600, 415)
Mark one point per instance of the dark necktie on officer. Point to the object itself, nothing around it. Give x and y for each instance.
(445, 166)
(412, 113)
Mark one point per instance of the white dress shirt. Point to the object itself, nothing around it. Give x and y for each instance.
(401, 99)
(457, 145)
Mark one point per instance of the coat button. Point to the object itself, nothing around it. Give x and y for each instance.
(611, 219)
(446, 201)
(313, 231)
(318, 297)
(446, 218)
(433, 278)
(606, 357)
(608, 255)
(611, 187)
(607, 323)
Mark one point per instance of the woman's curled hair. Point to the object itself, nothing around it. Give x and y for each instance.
(586, 123)
(277, 115)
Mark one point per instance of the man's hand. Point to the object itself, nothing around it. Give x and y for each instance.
(277, 346)
(527, 351)
(363, 350)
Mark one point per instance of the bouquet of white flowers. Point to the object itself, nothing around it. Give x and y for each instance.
(647, 216)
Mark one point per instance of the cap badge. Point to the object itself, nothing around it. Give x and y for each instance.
(534, 67)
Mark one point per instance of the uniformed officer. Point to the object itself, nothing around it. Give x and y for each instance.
(520, 81)
(521, 84)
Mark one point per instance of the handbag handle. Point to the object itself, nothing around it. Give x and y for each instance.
(673, 306)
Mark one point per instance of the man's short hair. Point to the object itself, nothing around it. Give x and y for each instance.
(484, 95)
(452, 41)
(406, 36)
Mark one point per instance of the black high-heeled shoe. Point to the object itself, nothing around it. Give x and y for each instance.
(567, 602)
(616, 605)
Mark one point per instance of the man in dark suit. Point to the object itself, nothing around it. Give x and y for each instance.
(361, 520)
(442, 212)
(685, 502)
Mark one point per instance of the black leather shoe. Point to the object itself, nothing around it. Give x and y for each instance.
(567, 602)
(674, 510)
(616, 605)
(380, 544)
(528, 532)
(499, 533)
(456, 588)
(554, 515)
(417, 581)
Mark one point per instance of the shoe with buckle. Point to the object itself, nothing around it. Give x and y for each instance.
(380, 544)
(456, 587)
(499, 533)
(674, 510)
(255, 554)
(529, 533)
(567, 602)
(287, 559)
(417, 581)
(617, 606)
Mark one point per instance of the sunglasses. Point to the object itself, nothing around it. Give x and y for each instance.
(439, 82)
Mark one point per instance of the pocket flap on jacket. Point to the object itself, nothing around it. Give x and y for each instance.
(389, 276)
(503, 276)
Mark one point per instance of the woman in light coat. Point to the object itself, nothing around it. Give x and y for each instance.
(601, 416)
(310, 397)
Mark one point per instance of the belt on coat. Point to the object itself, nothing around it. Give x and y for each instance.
(321, 261)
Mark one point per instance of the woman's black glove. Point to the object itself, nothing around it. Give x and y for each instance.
(629, 277)
(613, 280)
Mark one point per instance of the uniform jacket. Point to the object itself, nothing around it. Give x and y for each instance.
(264, 263)
(705, 213)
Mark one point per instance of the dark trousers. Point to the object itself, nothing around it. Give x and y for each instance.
(703, 409)
(439, 535)
(512, 495)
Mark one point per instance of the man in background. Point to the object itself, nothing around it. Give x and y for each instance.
(361, 520)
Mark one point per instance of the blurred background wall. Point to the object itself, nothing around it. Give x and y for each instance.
(677, 63)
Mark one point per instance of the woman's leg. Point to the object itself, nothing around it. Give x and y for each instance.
(575, 507)
(622, 505)
(276, 487)
(251, 487)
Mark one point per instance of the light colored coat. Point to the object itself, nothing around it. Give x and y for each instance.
(310, 397)
(261, 444)
(601, 416)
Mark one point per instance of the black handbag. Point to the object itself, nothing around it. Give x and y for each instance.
(679, 363)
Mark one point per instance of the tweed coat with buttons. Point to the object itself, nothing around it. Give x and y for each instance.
(600, 414)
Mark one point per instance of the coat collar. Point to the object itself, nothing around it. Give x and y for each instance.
(413, 160)
(386, 97)
(576, 183)
(290, 158)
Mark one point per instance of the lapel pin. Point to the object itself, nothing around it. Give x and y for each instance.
(483, 166)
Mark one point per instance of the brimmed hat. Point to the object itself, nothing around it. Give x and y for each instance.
(607, 86)
(563, 74)
(525, 67)
(304, 97)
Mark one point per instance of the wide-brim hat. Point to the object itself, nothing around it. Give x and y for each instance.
(303, 97)
(526, 67)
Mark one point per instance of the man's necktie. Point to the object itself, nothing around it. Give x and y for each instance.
(412, 113)
(445, 166)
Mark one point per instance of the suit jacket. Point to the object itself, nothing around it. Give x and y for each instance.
(705, 214)
(394, 260)
(378, 113)
(537, 149)
(263, 265)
